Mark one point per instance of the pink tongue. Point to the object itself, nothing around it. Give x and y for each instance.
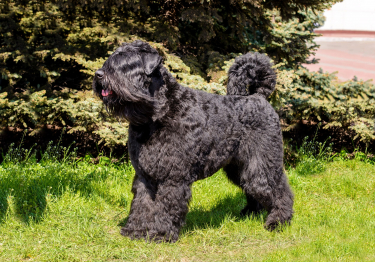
(106, 92)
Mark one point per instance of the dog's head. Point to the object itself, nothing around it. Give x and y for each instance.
(128, 80)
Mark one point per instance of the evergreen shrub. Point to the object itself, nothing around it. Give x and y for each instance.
(49, 51)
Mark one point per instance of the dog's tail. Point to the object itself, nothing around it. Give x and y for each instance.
(251, 74)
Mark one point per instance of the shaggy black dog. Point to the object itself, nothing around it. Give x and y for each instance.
(178, 135)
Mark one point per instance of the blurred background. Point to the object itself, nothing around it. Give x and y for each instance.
(347, 44)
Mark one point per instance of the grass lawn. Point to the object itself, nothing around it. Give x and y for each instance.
(58, 212)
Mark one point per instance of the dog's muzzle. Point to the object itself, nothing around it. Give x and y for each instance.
(99, 74)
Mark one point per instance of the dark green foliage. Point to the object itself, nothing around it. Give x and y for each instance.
(57, 44)
(49, 51)
(288, 43)
(317, 97)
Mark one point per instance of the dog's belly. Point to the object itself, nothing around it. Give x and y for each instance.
(185, 156)
(216, 156)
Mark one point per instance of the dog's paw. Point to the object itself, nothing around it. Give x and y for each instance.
(149, 236)
(133, 234)
(276, 226)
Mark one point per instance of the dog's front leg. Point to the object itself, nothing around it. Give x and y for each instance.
(142, 211)
(171, 202)
(157, 217)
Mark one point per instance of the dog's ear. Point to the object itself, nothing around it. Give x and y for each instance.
(150, 61)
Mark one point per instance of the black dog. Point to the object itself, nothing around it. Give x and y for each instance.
(179, 135)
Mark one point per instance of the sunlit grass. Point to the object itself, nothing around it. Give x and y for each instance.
(59, 211)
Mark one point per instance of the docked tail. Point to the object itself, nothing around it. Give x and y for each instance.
(251, 74)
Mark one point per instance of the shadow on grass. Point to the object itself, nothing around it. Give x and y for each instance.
(29, 201)
(28, 189)
(3, 205)
(227, 207)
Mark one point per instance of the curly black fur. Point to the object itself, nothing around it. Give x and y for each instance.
(179, 135)
(251, 74)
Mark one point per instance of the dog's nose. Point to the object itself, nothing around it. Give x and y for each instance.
(99, 74)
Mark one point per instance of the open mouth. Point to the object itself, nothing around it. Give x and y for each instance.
(106, 92)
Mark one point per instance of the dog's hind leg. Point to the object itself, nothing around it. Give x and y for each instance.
(233, 171)
(281, 211)
(252, 206)
(269, 186)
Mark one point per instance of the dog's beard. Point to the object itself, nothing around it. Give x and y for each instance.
(129, 103)
(136, 113)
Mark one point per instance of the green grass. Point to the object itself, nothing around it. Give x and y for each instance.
(60, 212)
